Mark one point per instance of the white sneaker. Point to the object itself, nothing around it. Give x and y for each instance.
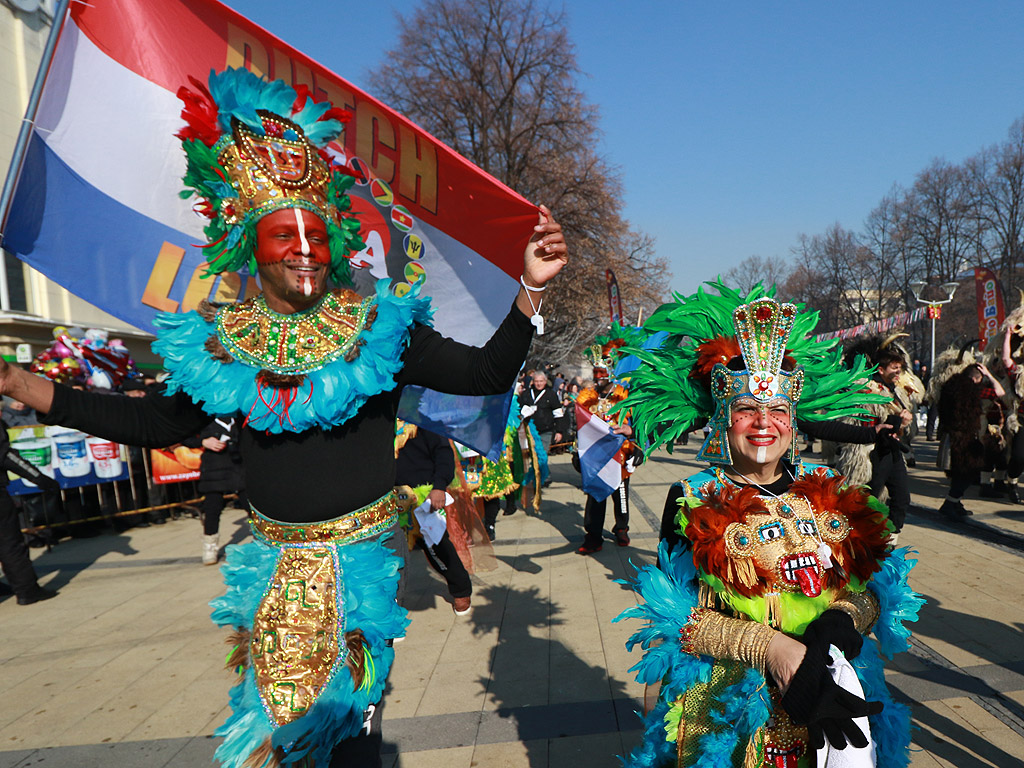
(211, 548)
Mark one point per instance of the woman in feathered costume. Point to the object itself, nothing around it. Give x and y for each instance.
(755, 624)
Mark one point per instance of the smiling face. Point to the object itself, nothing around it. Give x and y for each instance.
(759, 434)
(293, 257)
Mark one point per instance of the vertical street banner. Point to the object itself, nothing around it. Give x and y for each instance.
(614, 299)
(991, 308)
(96, 205)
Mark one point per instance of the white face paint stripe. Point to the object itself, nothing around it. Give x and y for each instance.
(762, 454)
(302, 231)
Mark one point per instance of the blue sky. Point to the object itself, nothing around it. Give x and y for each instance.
(739, 125)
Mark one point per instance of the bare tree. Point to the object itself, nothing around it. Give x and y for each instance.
(497, 81)
(767, 270)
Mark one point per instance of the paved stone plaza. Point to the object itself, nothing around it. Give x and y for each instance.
(124, 668)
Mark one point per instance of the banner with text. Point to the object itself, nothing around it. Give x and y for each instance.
(96, 206)
(991, 309)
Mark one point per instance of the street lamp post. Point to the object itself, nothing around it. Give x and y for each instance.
(934, 307)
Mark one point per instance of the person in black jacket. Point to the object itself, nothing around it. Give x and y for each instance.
(14, 555)
(540, 404)
(426, 461)
(220, 472)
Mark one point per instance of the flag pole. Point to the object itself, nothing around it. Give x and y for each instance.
(21, 145)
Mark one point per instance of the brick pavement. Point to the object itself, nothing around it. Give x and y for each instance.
(123, 668)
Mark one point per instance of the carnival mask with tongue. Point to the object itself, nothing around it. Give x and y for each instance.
(783, 543)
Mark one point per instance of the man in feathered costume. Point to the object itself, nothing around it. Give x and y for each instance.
(756, 623)
(316, 374)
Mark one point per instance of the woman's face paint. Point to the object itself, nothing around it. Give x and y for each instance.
(293, 258)
(760, 433)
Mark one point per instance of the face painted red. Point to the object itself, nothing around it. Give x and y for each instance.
(293, 258)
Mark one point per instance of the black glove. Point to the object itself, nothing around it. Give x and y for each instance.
(815, 700)
(836, 628)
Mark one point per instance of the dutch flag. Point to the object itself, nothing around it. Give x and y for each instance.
(600, 454)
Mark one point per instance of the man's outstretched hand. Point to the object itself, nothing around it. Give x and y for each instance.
(546, 253)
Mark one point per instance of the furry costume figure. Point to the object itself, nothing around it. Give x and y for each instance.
(960, 421)
(854, 461)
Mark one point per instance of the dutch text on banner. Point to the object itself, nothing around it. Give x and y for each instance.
(600, 452)
(991, 308)
(96, 205)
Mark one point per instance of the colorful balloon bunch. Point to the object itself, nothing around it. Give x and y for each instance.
(85, 357)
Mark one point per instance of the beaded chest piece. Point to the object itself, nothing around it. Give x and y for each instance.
(297, 343)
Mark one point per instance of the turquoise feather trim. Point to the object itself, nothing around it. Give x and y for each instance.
(668, 595)
(897, 602)
(370, 574)
(326, 398)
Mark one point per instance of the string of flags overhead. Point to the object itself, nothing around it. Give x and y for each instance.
(877, 326)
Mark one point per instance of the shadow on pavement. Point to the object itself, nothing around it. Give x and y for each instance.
(957, 744)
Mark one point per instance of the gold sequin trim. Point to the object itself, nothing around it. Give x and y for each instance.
(361, 524)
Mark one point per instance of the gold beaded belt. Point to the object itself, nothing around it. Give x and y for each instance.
(363, 523)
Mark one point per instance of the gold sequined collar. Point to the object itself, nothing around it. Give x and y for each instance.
(297, 343)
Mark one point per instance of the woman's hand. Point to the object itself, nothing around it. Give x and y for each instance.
(546, 253)
(783, 659)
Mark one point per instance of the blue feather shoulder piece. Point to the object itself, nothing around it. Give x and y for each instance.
(325, 398)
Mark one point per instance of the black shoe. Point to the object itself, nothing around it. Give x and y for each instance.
(988, 491)
(490, 532)
(954, 509)
(1011, 493)
(510, 510)
(588, 549)
(911, 462)
(35, 595)
(621, 537)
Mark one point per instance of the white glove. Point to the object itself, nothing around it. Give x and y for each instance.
(558, 413)
(527, 411)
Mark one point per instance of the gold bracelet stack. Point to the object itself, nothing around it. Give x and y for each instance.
(862, 607)
(711, 634)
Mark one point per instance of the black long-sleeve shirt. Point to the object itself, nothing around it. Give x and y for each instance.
(425, 459)
(318, 474)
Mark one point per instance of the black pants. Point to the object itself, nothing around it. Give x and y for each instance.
(594, 513)
(211, 507)
(445, 560)
(889, 471)
(1016, 463)
(14, 557)
(491, 507)
(362, 750)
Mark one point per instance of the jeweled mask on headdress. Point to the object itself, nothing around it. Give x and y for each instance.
(762, 332)
(254, 147)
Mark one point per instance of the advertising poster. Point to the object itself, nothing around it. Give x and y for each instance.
(175, 465)
(72, 458)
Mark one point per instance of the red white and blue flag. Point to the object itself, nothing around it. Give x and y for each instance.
(96, 205)
(600, 452)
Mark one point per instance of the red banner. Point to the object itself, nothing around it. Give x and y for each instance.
(614, 299)
(991, 309)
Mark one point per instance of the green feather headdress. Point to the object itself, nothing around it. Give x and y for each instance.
(254, 147)
(670, 393)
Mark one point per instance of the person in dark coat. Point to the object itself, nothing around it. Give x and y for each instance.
(14, 557)
(539, 404)
(960, 412)
(220, 472)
